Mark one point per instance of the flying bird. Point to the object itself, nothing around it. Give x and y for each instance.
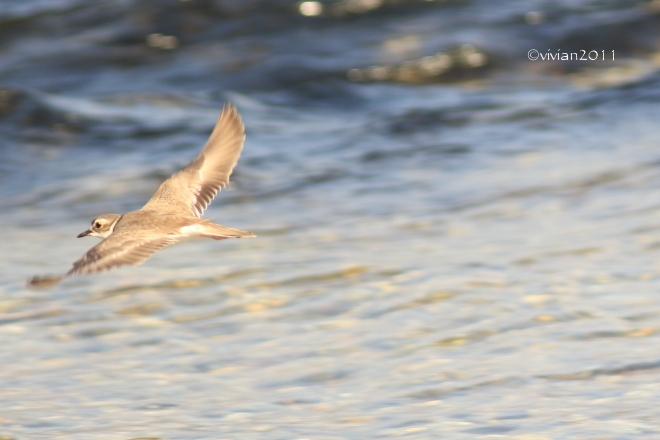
(172, 214)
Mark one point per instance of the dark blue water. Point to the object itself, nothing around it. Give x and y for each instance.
(454, 241)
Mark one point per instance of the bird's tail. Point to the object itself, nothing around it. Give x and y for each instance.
(219, 232)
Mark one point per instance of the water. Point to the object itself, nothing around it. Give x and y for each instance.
(460, 253)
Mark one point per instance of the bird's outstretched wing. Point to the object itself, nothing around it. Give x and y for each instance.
(192, 189)
(126, 247)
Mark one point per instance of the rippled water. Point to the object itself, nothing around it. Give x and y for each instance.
(443, 252)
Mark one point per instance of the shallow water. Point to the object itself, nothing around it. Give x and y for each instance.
(470, 254)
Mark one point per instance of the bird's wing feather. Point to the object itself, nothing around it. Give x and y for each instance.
(193, 188)
(127, 247)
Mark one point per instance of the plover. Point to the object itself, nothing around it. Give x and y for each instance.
(172, 214)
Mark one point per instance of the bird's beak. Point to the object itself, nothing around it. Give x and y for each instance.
(85, 234)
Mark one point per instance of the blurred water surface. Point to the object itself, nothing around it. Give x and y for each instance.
(453, 241)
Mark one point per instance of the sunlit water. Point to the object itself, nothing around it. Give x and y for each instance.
(458, 260)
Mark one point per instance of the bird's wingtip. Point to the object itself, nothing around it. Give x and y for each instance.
(229, 107)
(42, 282)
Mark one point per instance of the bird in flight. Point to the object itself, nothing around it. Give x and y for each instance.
(172, 214)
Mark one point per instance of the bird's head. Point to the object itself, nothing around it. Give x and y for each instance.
(102, 226)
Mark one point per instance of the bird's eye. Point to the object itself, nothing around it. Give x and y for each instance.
(97, 225)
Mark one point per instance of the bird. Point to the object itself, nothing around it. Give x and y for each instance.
(172, 214)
